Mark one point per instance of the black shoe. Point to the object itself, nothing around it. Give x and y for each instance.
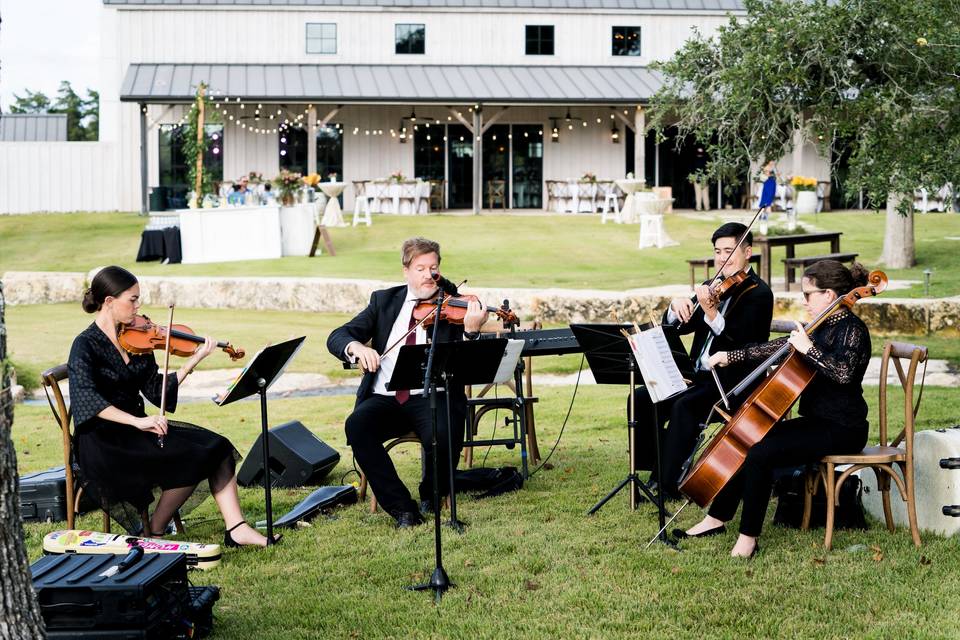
(680, 534)
(426, 508)
(408, 519)
(228, 540)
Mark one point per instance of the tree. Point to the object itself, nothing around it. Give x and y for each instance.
(19, 612)
(33, 102)
(876, 77)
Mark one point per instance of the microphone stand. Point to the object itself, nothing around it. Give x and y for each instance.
(439, 581)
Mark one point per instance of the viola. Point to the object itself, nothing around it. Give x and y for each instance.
(143, 336)
(454, 309)
(769, 402)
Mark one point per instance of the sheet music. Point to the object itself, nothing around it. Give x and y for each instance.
(657, 367)
(509, 362)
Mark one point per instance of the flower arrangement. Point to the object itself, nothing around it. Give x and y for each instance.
(588, 177)
(255, 177)
(397, 176)
(288, 183)
(311, 180)
(799, 183)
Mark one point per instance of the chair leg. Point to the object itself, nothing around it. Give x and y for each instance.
(883, 484)
(810, 484)
(830, 480)
(106, 521)
(911, 505)
(145, 521)
(178, 521)
(362, 492)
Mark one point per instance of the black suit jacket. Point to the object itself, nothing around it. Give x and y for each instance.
(373, 325)
(747, 321)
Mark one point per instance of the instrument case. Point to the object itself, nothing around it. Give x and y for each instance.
(43, 496)
(199, 555)
(89, 596)
(935, 451)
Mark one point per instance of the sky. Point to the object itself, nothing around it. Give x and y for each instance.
(45, 41)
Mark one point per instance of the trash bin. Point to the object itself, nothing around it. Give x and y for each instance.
(158, 198)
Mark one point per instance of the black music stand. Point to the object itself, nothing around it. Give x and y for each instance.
(611, 361)
(262, 371)
(424, 366)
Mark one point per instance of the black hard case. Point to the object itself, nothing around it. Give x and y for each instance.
(148, 597)
(43, 496)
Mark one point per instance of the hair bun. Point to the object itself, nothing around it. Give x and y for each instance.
(859, 274)
(90, 305)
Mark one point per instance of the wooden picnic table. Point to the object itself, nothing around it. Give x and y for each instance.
(789, 242)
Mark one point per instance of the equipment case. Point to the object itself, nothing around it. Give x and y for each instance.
(43, 496)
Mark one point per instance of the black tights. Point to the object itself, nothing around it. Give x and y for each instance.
(790, 443)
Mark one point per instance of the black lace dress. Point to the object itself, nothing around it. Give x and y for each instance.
(832, 417)
(121, 467)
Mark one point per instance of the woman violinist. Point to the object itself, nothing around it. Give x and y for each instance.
(832, 412)
(121, 461)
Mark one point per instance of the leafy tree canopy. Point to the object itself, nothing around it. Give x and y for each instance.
(83, 114)
(878, 77)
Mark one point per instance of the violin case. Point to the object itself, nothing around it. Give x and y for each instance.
(199, 555)
(936, 468)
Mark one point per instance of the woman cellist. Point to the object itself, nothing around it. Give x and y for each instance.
(121, 462)
(832, 412)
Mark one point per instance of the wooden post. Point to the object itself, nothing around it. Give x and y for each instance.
(199, 177)
(640, 144)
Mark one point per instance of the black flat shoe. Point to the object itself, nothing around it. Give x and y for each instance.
(228, 540)
(680, 534)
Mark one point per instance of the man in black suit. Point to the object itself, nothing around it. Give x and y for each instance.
(741, 318)
(380, 415)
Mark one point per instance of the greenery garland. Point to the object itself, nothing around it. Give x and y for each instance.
(192, 147)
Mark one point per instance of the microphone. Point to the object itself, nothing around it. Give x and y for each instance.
(448, 287)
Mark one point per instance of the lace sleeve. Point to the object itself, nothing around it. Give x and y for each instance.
(841, 358)
(756, 352)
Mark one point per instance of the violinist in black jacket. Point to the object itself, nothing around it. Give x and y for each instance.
(741, 318)
(380, 415)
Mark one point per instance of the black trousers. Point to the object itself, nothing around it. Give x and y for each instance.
(381, 418)
(789, 443)
(685, 413)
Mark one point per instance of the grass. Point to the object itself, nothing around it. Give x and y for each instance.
(532, 560)
(493, 251)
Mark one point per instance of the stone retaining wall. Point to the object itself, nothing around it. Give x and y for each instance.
(890, 315)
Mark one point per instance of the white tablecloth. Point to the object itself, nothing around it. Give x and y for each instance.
(230, 233)
(631, 187)
(332, 214)
(297, 224)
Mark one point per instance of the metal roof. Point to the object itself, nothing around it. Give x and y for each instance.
(360, 83)
(33, 127)
(625, 5)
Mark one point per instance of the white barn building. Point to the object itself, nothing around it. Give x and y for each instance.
(471, 92)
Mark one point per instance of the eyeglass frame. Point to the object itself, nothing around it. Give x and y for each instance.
(807, 294)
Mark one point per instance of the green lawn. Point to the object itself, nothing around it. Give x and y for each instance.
(532, 562)
(520, 251)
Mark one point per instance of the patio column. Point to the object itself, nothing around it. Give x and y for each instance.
(639, 143)
(312, 140)
(144, 200)
(477, 160)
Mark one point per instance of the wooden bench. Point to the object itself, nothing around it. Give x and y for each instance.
(789, 264)
(707, 263)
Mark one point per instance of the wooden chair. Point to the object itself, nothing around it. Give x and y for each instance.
(883, 457)
(497, 192)
(436, 194)
(51, 379)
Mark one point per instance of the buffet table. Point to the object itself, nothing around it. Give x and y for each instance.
(230, 233)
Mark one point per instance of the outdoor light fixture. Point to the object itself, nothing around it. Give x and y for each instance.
(615, 135)
(554, 132)
(403, 133)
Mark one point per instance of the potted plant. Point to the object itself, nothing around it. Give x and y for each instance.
(805, 194)
(288, 183)
(588, 177)
(397, 176)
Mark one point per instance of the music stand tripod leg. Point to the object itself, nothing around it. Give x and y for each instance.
(267, 481)
(455, 522)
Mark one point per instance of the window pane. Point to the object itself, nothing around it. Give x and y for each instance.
(321, 37)
(293, 149)
(410, 38)
(539, 40)
(626, 41)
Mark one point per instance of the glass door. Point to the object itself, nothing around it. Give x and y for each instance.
(527, 156)
(460, 165)
(496, 167)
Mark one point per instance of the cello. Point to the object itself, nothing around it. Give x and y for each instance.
(725, 453)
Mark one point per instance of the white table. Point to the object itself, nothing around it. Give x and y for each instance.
(332, 215)
(224, 234)
(650, 213)
(297, 224)
(631, 187)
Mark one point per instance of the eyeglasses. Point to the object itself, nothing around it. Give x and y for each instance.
(807, 294)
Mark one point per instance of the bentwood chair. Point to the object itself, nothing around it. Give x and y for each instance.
(885, 456)
(51, 379)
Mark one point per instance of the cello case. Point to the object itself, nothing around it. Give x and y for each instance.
(936, 469)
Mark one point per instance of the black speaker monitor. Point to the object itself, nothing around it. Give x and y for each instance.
(297, 458)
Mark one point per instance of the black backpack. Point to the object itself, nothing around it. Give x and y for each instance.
(487, 482)
(789, 488)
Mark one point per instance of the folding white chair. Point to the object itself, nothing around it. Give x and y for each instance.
(361, 204)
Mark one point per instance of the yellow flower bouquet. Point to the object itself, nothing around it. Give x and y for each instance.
(799, 183)
(311, 180)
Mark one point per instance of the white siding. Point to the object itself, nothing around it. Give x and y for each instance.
(58, 176)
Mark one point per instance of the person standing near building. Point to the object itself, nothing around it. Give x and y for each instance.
(701, 187)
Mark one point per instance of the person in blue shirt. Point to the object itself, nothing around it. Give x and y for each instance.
(236, 196)
(768, 194)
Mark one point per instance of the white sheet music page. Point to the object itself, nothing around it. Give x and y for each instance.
(657, 367)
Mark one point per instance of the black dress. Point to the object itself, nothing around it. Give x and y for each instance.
(832, 417)
(121, 467)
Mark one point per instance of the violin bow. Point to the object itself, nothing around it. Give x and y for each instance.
(166, 372)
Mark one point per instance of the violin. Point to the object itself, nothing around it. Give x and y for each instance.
(143, 336)
(454, 309)
(769, 402)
